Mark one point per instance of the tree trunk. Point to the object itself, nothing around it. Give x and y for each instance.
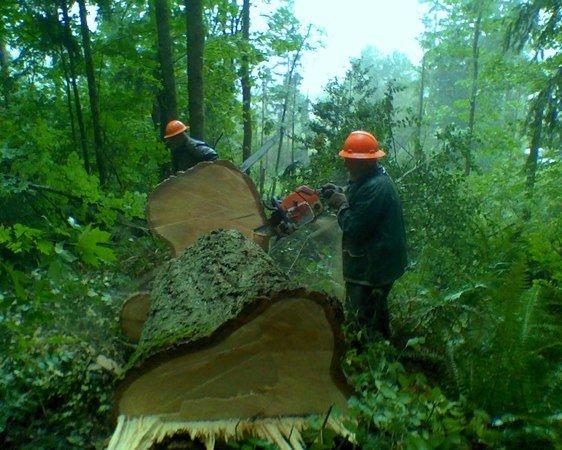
(293, 117)
(288, 81)
(167, 96)
(230, 344)
(418, 151)
(68, 97)
(92, 91)
(536, 136)
(195, 47)
(68, 42)
(474, 91)
(263, 164)
(245, 81)
(4, 72)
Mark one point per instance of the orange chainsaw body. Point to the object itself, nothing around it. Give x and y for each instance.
(302, 205)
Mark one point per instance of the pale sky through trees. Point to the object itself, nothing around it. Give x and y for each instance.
(350, 26)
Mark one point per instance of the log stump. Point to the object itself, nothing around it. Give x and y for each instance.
(231, 349)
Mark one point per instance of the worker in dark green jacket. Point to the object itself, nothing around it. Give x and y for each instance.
(374, 239)
(186, 151)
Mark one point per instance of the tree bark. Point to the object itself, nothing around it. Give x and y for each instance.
(70, 49)
(230, 339)
(245, 81)
(263, 164)
(68, 97)
(195, 48)
(92, 91)
(536, 137)
(293, 117)
(4, 73)
(474, 91)
(167, 96)
(418, 151)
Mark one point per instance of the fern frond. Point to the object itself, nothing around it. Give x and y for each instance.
(529, 309)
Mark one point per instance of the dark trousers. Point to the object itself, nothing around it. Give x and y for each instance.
(367, 308)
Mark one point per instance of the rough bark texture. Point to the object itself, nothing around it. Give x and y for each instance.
(195, 47)
(245, 81)
(209, 284)
(232, 349)
(92, 91)
(167, 97)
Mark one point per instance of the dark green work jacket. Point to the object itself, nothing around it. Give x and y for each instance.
(191, 153)
(374, 239)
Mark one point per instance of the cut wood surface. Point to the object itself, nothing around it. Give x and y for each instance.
(278, 363)
(230, 338)
(210, 196)
(133, 315)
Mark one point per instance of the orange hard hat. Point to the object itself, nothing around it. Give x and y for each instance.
(175, 127)
(361, 145)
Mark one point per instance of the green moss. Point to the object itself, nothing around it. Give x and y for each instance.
(208, 284)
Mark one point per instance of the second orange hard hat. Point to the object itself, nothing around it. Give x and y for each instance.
(175, 127)
(361, 145)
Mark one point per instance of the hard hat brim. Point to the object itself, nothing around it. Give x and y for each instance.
(175, 133)
(375, 155)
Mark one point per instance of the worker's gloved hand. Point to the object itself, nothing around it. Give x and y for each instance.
(337, 200)
(329, 189)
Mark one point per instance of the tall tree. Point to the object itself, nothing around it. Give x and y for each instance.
(167, 95)
(287, 90)
(195, 47)
(245, 81)
(537, 25)
(474, 89)
(92, 91)
(4, 73)
(418, 151)
(68, 96)
(71, 50)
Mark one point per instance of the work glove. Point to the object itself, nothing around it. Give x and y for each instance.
(329, 189)
(337, 200)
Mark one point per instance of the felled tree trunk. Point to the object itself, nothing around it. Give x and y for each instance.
(231, 349)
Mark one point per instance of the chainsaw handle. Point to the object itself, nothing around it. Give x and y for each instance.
(327, 190)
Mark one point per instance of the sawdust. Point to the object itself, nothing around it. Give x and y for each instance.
(143, 432)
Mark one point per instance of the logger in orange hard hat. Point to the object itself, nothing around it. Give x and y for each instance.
(361, 145)
(374, 238)
(186, 151)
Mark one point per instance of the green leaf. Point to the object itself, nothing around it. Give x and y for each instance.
(45, 247)
(91, 249)
(415, 342)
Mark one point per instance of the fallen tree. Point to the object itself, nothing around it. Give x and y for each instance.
(228, 347)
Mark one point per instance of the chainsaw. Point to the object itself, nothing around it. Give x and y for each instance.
(298, 208)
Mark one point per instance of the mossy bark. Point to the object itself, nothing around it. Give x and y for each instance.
(230, 339)
(207, 285)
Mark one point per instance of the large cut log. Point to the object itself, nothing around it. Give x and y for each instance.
(231, 349)
(210, 196)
